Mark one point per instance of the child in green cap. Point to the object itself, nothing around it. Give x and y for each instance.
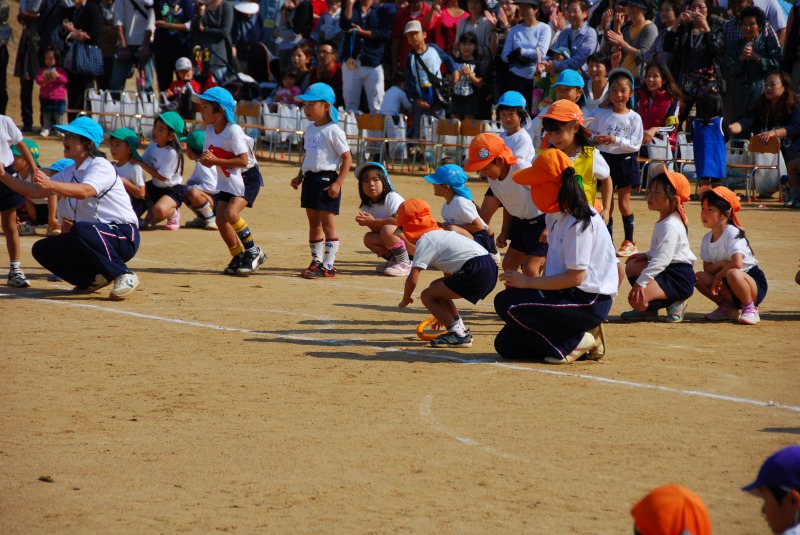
(40, 211)
(201, 188)
(123, 145)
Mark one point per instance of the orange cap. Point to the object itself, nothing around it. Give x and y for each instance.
(566, 111)
(544, 178)
(671, 510)
(414, 215)
(682, 190)
(728, 196)
(484, 148)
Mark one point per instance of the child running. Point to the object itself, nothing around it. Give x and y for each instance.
(123, 144)
(618, 132)
(458, 211)
(163, 161)
(563, 123)
(469, 272)
(230, 150)
(322, 174)
(201, 188)
(10, 199)
(663, 277)
(379, 204)
(523, 223)
(731, 277)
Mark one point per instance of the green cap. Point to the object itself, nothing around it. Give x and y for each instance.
(131, 138)
(195, 140)
(32, 146)
(174, 121)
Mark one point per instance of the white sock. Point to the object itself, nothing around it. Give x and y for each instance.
(461, 323)
(331, 248)
(16, 264)
(206, 211)
(458, 328)
(317, 250)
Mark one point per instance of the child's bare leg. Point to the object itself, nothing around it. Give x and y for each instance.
(374, 242)
(315, 232)
(196, 198)
(227, 215)
(462, 231)
(532, 266)
(52, 213)
(652, 292)
(438, 299)
(389, 236)
(31, 209)
(512, 259)
(634, 267)
(742, 285)
(8, 220)
(164, 208)
(703, 285)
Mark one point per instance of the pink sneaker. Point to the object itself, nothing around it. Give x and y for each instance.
(399, 269)
(174, 221)
(749, 316)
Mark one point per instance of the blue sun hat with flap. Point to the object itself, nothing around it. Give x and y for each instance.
(59, 165)
(366, 165)
(453, 176)
(222, 97)
(83, 126)
(323, 92)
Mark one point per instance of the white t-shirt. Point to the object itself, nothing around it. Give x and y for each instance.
(626, 127)
(431, 60)
(589, 250)
(204, 178)
(516, 198)
(165, 160)
(521, 144)
(460, 211)
(725, 247)
(9, 135)
(110, 204)
(132, 172)
(388, 208)
(324, 147)
(229, 143)
(446, 251)
(395, 102)
(669, 245)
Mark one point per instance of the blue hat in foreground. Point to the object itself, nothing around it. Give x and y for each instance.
(453, 176)
(59, 165)
(570, 78)
(222, 97)
(366, 165)
(83, 126)
(781, 469)
(323, 92)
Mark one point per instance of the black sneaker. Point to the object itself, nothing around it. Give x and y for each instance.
(251, 262)
(233, 267)
(315, 270)
(449, 339)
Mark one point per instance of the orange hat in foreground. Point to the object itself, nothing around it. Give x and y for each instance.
(728, 196)
(544, 178)
(414, 215)
(671, 510)
(484, 148)
(566, 111)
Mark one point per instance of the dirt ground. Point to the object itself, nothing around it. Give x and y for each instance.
(205, 402)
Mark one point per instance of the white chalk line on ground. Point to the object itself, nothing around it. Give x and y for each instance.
(343, 342)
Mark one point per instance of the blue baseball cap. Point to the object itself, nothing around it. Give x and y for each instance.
(570, 78)
(514, 99)
(222, 97)
(453, 176)
(60, 165)
(83, 126)
(366, 165)
(323, 92)
(781, 469)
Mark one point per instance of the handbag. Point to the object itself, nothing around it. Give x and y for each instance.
(83, 58)
(442, 88)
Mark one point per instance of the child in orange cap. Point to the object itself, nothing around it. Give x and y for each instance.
(523, 223)
(469, 271)
(559, 316)
(671, 510)
(663, 276)
(731, 277)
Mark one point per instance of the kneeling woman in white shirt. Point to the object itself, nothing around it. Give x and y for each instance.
(559, 317)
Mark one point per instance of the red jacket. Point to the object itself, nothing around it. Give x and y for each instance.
(655, 108)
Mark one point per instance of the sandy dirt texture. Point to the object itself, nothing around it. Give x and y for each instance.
(210, 403)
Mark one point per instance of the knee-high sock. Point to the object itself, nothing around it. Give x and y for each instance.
(243, 231)
(317, 250)
(331, 248)
(627, 225)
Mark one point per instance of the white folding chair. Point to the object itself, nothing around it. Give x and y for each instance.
(396, 130)
(147, 109)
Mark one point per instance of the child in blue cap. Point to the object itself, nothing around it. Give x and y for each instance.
(227, 147)
(325, 166)
(568, 86)
(458, 211)
(778, 483)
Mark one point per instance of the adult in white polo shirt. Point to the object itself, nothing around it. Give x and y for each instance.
(100, 231)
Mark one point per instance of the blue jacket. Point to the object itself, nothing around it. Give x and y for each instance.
(581, 47)
(412, 86)
(369, 50)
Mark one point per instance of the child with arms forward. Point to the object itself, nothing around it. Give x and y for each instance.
(322, 174)
(469, 272)
(378, 212)
(201, 188)
(123, 144)
(163, 161)
(230, 150)
(663, 276)
(618, 133)
(731, 277)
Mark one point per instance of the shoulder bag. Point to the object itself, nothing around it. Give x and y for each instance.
(442, 88)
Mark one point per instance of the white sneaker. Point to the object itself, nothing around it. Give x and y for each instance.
(174, 221)
(587, 344)
(26, 229)
(400, 269)
(497, 259)
(124, 285)
(98, 282)
(749, 316)
(17, 279)
(44, 132)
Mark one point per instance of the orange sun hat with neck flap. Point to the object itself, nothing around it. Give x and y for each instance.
(728, 196)
(683, 190)
(566, 111)
(484, 148)
(414, 216)
(671, 510)
(544, 178)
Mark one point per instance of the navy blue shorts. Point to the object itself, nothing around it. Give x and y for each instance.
(677, 281)
(252, 185)
(761, 286)
(475, 280)
(41, 215)
(139, 206)
(313, 194)
(9, 199)
(524, 235)
(176, 193)
(483, 239)
(624, 169)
